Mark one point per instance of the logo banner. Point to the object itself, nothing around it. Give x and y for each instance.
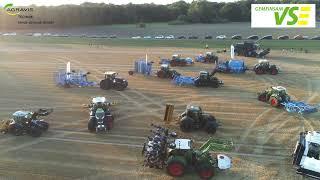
(283, 15)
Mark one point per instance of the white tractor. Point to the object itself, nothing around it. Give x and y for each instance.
(306, 154)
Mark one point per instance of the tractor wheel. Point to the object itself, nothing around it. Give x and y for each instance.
(215, 84)
(104, 84)
(205, 171)
(13, 129)
(262, 97)
(197, 83)
(274, 101)
(130, 73)
(35, 132)
(176, 166)
(91, 125)
(186, 124)
(161, 74)
(119, 87)
(110, 123)
(258, 71)
(211, 127)
(44, 125)
(274, 71)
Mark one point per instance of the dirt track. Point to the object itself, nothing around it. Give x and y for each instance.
(264, 137)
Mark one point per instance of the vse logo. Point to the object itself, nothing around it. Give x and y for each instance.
(283, 16)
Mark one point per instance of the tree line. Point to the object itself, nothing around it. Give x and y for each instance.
(198, 11)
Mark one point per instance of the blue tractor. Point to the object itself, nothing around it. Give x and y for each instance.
(27, 122)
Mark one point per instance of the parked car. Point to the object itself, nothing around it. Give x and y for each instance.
(46, 34)
(253, 37)
(283, 37)
(267, 37)
(113, 36)
(315, 38)
(193, 37)
(170, 37)
(298, 37)
(147, 37)
(36, 34)
(136, 37)
(159, 37)
(208, 37)
(28, 34)
(181, 37)
(237, 36)
(221, 37)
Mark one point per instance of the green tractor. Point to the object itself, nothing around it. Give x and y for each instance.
(193, 118)
(181, 157)
(275, 95)
(164, 150)
(166, 72)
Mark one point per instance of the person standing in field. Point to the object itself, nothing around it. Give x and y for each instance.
(207, 46)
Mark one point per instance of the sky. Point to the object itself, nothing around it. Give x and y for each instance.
(59, 2)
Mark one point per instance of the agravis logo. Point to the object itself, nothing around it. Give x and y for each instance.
(7, 8)
(283, 16)
(14, 11)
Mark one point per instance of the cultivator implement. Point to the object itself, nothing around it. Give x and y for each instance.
(79, 79)
(68, 78)
(299, 107)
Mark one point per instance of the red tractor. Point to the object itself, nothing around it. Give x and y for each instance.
(177, 61)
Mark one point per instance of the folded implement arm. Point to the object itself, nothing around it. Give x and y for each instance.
(216, 145)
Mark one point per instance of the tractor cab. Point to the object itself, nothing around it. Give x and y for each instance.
(194, 111)
(264, 62)
(183, 144)
(99, 103)
(110, 75)
(180, 147)
(279, 89)
(306, 154)
(176, 56)
(204, 75)
(164, 67)
(22, 116)
(209, 54)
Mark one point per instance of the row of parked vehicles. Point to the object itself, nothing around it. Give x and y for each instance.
(235, 37)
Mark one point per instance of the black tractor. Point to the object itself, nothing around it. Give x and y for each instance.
(193, 118)
(250, 49)
(100, 119)
(264, 67)
(110, 81)
(210, 58)
(166, 72)
(205, 79)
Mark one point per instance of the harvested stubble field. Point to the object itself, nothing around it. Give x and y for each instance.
(264, 137)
